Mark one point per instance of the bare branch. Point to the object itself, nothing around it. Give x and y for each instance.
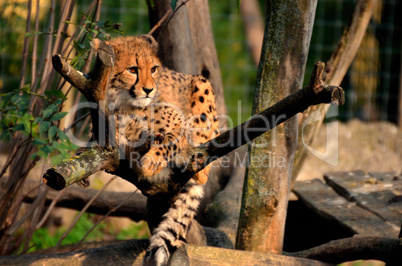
(76, 197)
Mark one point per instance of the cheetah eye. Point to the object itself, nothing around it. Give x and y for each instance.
(153, 70)
(133, 70)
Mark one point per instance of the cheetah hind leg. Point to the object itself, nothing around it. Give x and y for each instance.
(168, 240)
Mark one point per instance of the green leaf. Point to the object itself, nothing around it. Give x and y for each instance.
(26, 88)
(10, 119)
(62, 135)
(56, 159)
(33, 156)
(61, 149)
(19, 127)
(73, 147)
(5, 136)
(49, 110)
(56, 93)
(173, 4)
(100, 24)
(28, 117)
(42, 154)
(26, 123)
(38, 142)
(38, 120)
(52, 133)
(15, 98)
(35, 130)
(43, 127)
(32, 33)
(78, 61)
(5, 99)
(58, 116)
(47, 149)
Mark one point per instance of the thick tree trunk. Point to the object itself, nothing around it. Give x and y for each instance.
(266, 187)
(187, 44)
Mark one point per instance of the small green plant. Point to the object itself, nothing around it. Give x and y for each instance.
(134, 231)
(43, 238)
(101, 30)
(40, 127)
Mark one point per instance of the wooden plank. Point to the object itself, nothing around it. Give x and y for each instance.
(390, 178)
(322, 199)
(379, 193)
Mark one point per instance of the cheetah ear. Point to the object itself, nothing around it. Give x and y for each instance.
(149, 38)
(96, 44)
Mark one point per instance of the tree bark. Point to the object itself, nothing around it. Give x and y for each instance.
(266, 187)
(188, 44)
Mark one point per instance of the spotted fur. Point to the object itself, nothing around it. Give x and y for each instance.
(171, 111)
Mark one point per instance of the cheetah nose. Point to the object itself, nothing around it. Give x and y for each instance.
(147, 90)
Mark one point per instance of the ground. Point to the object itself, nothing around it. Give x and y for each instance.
(370, 147)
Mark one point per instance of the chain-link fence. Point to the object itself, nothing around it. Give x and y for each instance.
(372, 83)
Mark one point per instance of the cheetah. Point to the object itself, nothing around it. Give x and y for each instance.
(177, 111)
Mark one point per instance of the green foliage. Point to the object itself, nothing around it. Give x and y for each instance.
(134, 231)
(101, 30)
(173, 4)
(40, 128)
(43, 238)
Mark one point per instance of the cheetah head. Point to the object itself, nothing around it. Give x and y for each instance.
(132, 81)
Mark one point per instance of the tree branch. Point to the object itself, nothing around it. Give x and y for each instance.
(76, 197)
(82, 166)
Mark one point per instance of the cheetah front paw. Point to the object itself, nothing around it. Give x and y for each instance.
(151, 164)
